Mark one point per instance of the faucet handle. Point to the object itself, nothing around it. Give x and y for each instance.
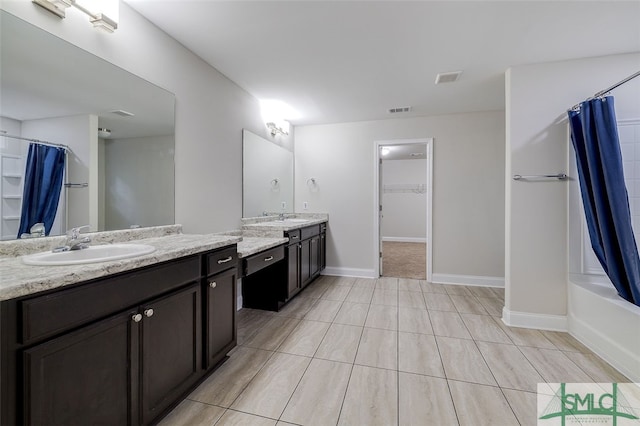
(74, 232)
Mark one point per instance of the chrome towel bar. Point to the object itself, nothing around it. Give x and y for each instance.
(559, 176)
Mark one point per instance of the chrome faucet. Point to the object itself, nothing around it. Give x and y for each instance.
(281, 216)
(73, 241)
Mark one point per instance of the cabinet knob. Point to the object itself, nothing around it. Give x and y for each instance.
(213, 284)
(228, 259)
(148, 312)
(136, 318)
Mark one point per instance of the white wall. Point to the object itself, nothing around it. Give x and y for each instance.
(211, 111)
(404, 213)
(536, 213)
(139, 182)
(468, 195)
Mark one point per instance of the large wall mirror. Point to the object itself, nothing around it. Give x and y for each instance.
(53, 91)
(267, 176)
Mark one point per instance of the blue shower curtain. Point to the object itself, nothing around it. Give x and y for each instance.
(42, 186)
(594, 135)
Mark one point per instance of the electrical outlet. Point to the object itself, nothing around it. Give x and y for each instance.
(305, 205)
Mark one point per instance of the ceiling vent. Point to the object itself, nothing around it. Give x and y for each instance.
(122, 113)
(448, 77)
(416, 154)
(399, 110)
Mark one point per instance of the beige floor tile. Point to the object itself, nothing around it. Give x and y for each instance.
(364, 283)
(418, 353)
(597, 368)
(385, 297)
(414, 320)
(458, 290)
(566, 342)
(192, 413)
(230, 379)
(525, 336)
(298, 307)
(272, 334)
(468, 305)
(509, 367)
(462, 361)
(425, 401)
(492, 305)
(324, 310)
(305, 338)
(359, 295)
(484, 328)
(318, 398)
(344, 281)
(524, 405)
(386, 283)
(270, 390)
(411, 299)
(371, 399)
(336, 292)
(439, 302)
(378, 348)
(380, 316)
(236, 418)
(554, 366)
(317, 289)
(352, 314)
(249, 322)
(498, 292)
(479, 291)
(406, 284)
(448, 324)
(340, 343)
(428, 287)
(479, 405)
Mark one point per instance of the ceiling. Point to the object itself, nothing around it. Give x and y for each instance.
(340, 61)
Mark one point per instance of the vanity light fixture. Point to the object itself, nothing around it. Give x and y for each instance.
(103, 14)
(281, 127)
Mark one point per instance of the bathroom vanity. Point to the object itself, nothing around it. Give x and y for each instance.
(269, 285)
(115, 342)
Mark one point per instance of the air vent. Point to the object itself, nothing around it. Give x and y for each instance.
(399, 110)
(416, 154)
(448, 77)
(122, 113)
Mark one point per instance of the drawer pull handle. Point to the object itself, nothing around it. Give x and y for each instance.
(136, 318)
(267, 259)
(213, 284)
(148, 312)
(228, 259)
(294, 237)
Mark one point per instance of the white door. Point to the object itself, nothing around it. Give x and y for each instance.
(380, 192)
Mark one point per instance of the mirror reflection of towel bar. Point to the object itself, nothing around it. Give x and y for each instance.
(559, 176)
(76, 185)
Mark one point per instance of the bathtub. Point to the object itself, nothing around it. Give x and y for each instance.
(606, 323)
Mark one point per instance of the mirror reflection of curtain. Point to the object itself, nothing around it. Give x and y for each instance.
(42, 185)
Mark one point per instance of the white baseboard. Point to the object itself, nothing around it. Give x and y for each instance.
(537, 321)
(476, 280)
(404, 239)
(349, 272)
(608, 349)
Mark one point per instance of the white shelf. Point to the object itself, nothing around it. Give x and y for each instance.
(10, 217)
(12, 197)
(12, 175)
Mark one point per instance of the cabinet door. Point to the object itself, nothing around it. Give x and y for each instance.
(323, 251)
(293, 270)
(220, 311)
(315, 256)
(170, 351)
(84, 377)
(305, 262)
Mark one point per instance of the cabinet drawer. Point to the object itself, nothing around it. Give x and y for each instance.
(220, 260)
(262, 260)
(323, 227)
(50, 314)
(293, 235)
(309, 232)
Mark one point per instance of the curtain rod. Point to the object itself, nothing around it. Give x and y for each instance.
(608, 89)
(38, 141)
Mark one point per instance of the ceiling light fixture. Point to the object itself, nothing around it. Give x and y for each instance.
(103, 14)
(103, 132)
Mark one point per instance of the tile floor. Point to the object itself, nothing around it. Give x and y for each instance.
(386, 352)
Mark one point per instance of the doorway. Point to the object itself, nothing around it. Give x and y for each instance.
(403, 208)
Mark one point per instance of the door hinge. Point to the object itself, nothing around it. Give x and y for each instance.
(380, 254)
(380, 207)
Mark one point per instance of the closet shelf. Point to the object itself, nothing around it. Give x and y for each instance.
(12, 175)
(12, 197)
(10, 217)
(408, 188)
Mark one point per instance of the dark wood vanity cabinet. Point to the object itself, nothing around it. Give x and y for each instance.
(118, 350)
(309, 260)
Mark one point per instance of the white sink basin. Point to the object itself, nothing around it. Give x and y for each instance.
(92, 254)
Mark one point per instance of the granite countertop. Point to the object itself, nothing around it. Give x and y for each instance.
(271, 227)
(252, 245)
(18, 279)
